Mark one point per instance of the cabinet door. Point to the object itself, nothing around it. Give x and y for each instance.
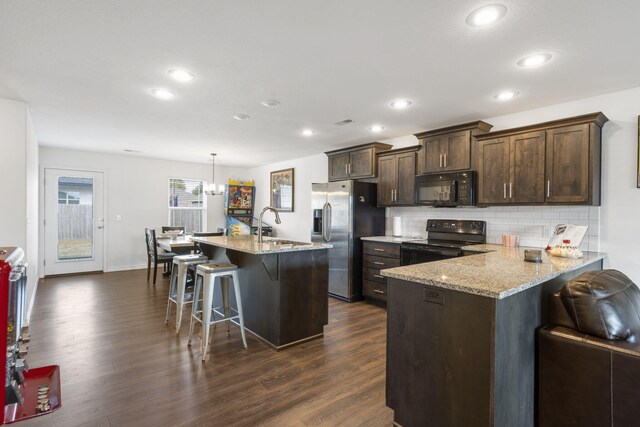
(362, 163)
(387, 180)
(338, 164)
(527, 168)
(433, 150)
(457, 151)
(567, 169)
(493, 171)
(406, 163)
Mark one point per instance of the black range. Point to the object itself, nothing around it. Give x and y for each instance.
(446, 239)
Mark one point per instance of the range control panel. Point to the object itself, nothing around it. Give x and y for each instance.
(456, 226)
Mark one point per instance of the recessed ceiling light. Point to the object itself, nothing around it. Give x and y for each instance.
(505, 95)
(270, 103)
(400, 104)
(241, 117)
(181, 75)
(376, 128)
(162, 93)
(535, 60)
(308, 132)
(486, 15)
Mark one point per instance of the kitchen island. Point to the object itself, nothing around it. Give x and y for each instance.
(283, 286)
(461, 335)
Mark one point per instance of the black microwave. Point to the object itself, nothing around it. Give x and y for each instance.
(446, 189)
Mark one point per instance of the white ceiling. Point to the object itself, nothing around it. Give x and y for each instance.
(85, 68)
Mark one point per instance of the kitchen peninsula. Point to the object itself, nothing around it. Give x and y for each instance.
(283, 285)
(461, 335)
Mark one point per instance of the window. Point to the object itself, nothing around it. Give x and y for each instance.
(187, 204)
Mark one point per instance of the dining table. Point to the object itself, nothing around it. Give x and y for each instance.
(179, 245)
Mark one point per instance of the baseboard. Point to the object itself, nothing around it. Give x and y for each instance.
(126, 267)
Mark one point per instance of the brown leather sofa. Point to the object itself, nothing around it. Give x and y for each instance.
(589, 355)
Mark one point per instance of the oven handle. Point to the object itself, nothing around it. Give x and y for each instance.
(17, 272)
(445, 252)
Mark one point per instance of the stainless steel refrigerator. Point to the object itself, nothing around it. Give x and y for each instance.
(344, 211)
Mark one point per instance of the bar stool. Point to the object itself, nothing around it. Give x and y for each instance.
(206, 275)
(178, 284)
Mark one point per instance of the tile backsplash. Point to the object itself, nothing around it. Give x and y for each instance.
(533, 224)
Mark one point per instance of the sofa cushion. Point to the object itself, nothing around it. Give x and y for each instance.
(604, 303)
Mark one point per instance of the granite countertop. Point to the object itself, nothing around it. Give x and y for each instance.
(390, 239)
(250, 245)
(495, 272)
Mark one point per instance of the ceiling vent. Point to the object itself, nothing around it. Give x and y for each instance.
(343, 122)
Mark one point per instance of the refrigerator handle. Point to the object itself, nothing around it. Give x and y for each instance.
(326, 222)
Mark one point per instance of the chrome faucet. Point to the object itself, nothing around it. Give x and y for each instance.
(268, 208)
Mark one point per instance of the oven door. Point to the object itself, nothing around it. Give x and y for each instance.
(410, 255)
(436, 190)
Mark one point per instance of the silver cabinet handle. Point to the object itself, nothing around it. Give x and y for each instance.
(440, 160)
(505, 190)
(378, 291)
(510, 187)
(395, 195)
(378, 263)
(346, 169)
(548, 188)
(378, 249)
(378, 276)
(445, 160)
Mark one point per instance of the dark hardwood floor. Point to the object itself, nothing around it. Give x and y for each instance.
(122, 365)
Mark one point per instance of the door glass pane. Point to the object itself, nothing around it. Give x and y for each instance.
(75, 218)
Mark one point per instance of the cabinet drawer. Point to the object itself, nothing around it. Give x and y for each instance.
(374, 290)
(382, 249)
(373, 275)
(371, 261)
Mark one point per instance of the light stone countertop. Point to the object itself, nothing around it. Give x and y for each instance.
(495, 272)
(250, 245)
(390, 239)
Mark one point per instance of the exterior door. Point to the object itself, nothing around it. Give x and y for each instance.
(74, 221)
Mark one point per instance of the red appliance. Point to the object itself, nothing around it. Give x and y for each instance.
(27, 392)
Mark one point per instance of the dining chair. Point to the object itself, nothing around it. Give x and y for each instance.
(205, 234)
(153, 255)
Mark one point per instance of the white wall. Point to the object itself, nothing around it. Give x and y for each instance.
(18, 192)
(136, 189)
(295, 225)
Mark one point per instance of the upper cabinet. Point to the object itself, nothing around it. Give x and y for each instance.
(396, 177)
(355, 162)
(549, 163)
(449, 149)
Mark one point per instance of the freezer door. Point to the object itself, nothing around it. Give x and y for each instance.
(339, 224)
(318, 207)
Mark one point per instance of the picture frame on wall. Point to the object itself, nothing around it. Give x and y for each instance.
(282, 190)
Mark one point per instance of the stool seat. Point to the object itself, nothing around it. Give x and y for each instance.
(203, 309)
(217, 267)
(178, 284)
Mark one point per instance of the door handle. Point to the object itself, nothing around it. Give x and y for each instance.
(346, 169)
(378, 291)
(548, 188)
(505, 190)
(510, 186)
(378, 263)
(440, 160)
(378, 249)
(328, 222)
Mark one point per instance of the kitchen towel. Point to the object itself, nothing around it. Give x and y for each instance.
(397, 226)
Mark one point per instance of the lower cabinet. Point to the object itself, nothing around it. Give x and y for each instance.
(378, 256)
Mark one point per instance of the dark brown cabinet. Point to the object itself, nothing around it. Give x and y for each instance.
(511, 169)
(449, 149)
(549, 163)
(396, 176)
(355, 162)
(378, 256)
(568, 158)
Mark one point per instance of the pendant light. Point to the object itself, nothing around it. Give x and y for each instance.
(211, 187)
